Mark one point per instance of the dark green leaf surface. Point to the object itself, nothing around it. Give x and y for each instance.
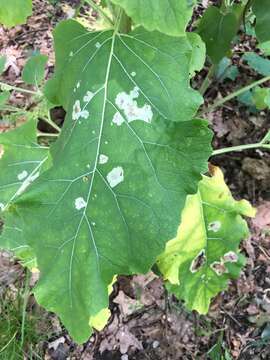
(14, 12)
(218, 30)
(261, 9)
(205, 254)
(167, 16)
(122, 169)
(34, 70)
(225, 70)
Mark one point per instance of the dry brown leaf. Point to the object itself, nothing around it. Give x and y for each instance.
(262, 219)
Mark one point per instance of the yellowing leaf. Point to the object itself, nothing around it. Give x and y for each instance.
(205, 253)
(99, 321)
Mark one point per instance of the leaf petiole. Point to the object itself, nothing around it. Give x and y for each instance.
(241, 148)
(236, 93)
(100, 11)
(7, 87)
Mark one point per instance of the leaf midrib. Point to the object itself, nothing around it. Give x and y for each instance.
(84, 216)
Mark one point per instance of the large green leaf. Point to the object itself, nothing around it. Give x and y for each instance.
(122, 169)
(217, 29)
(167, 16)
(205, 254)
(14, 12)
(22, 162)
(261, 9)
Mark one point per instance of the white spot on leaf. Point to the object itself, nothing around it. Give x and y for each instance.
(80, 203)
(98, 45)
(71, 54)
(78, 84)
(230, 256)
(88, 97)
(118, 119)
(128, 104)
(116, 176)
(22, 175)
(2, 206)
(214, 226)
(78, 113)
(133, 74)
(103, 159)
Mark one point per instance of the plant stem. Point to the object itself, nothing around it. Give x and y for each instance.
(10, 87)
(49, 121)
(241, 148)
(9, 342)
(100, 11)
(40, 134)
(235, 94)
(207, 81)
(25, 301)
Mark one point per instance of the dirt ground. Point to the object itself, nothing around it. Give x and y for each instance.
(146, 322)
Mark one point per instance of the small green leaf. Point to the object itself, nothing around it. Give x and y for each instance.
(167, 16)
(205, 254)
(34, 70)
(225, 70)
(218, 30)
(261, 98)
(258, 63)
(261, 9)
(3, 60)
(14, 12)
(247, 99)
(125, 161)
